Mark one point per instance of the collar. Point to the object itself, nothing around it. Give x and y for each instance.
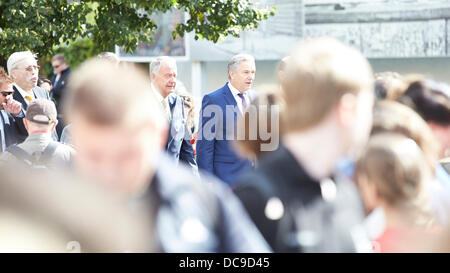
(157, 94)
(234, 90)
(24, 93)
(40, 136)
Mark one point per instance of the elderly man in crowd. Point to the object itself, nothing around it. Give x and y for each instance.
(163, 73)
(214, 153)
(23, 68)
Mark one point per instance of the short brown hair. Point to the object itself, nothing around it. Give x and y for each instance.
(319, 72)
(4, 78)
(109, 95)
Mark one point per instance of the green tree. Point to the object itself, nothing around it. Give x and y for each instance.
(44, 25)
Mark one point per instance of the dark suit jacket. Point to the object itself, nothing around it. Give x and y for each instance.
(13, 127)
(39, 93)
(214, 151)
(178, 144)
(57, 93)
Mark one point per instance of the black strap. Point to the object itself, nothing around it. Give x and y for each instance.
(20, 154)
(47, 154)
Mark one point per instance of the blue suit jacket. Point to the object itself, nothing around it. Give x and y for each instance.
(214, 151)
(178, 143)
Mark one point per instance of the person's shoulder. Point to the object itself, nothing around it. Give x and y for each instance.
(217, 92)
(64, 150)
(41, 91)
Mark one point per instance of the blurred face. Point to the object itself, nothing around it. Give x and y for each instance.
(357, 121)
(6, 90)
(58, 66)
(121, 159)
(242, 79)
(165, 80)
(26, 74)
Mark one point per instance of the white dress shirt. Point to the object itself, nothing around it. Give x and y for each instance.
(2, 128)
(238, 99)
(160, 99)
(24, 93)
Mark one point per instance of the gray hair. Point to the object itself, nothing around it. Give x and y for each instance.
(17, 57)
(236, 60)
(156, 63)
(59, 57)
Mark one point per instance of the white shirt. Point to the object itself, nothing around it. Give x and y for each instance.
(160, 98)
(2, 128)
(238, 99)
(24, 93)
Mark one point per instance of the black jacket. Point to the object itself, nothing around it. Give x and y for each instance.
(288, 207)
(57, 93)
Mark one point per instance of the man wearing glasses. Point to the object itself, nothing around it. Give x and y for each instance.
(11, 124)
(23, 68)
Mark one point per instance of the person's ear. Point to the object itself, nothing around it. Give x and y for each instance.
(153, 76)
(231, 75)
(369, 193)
(346, 110)
(25, 122)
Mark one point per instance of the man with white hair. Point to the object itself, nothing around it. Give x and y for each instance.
(214, 153)
(163, 73)
(23, 68)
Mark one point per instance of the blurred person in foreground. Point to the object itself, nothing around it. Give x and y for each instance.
(431, 100)
(11, 114)
(393, 174)
(55, 212)
(120, 143)
(39, 149)
(163, 73)
(291, 196)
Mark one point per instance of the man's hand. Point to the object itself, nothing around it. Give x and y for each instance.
(12, 106)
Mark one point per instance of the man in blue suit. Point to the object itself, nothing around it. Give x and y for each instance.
(163, 72)
(216, 129)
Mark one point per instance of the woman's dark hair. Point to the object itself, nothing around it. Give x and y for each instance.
(430, 99)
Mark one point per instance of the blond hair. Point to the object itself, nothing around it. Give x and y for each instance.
(319, 72)
(396, 167)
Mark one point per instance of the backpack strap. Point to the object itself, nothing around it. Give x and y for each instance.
(48, 153)
(20, 154)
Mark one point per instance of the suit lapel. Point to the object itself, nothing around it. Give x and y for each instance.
(18, 97)
(229, 99)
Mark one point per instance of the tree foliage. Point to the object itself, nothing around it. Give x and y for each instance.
(42, 25)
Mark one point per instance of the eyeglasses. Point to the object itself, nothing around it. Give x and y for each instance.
(31, 67)
(6, 93)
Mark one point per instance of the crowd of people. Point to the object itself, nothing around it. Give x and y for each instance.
(331, 158)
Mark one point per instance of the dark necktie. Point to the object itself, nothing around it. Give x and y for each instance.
(244, 103)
